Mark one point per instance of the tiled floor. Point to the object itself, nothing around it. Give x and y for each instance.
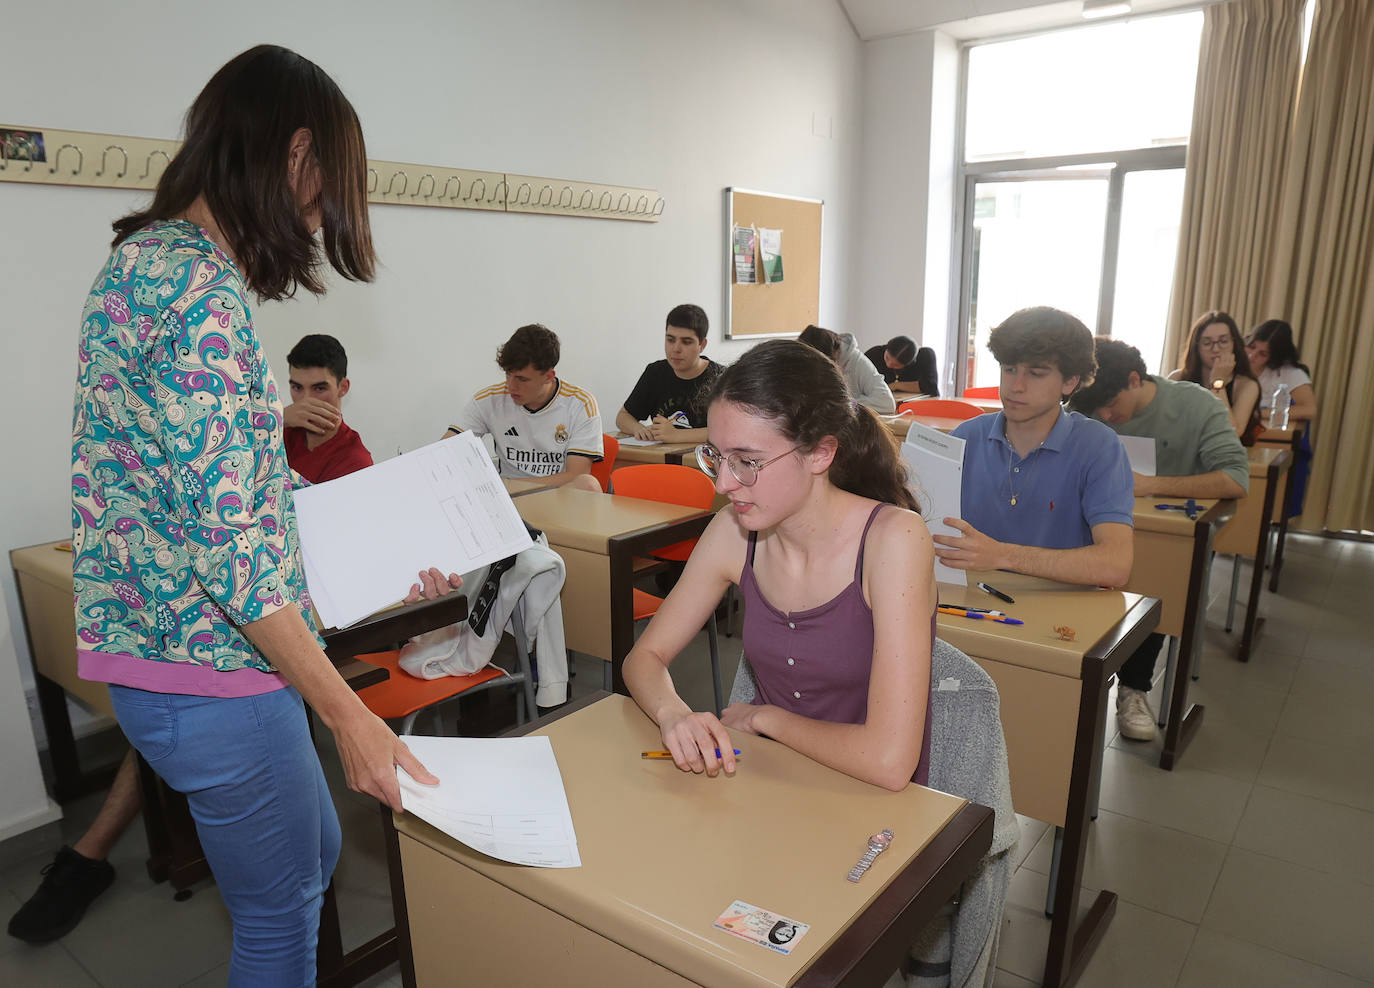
(1251, 864)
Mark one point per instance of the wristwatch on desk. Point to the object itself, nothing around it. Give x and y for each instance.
(877, 844)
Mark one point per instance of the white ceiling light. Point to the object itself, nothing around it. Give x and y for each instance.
(1105, 8)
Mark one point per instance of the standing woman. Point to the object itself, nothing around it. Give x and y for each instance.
(1214, 346)
(1274, 360)
(190, 593)
(836, 568)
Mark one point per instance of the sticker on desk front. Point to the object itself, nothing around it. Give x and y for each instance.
(777, 933)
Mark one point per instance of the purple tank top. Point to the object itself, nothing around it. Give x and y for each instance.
(817, 662)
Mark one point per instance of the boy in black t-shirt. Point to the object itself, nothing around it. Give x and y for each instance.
(905, 368)
(672, 393)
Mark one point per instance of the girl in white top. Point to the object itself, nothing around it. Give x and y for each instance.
(1213, 346)
(1274, 360)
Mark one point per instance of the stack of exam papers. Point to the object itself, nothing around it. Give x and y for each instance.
(501, 796)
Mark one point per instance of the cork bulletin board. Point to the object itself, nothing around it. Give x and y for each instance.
(782, 308)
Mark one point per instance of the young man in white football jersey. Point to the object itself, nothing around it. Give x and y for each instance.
(542, 427)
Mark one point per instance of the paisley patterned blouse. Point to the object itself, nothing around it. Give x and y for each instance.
(181, 495)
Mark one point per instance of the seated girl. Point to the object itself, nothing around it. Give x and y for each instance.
(1274, 360)
(1216, 361)
(836, 568)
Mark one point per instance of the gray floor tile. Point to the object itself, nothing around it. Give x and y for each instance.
(1217, 959)
(1156, 867)
(1032, 831)
(1338, 775)
(44, 967)
(1268, 667)
(1140, 948)
(1339, 639)
(203, 940)
(9, 902)
(1186, 799)
(1316, 917)
(216, 977)
(1310, 832)
(1334, 717)
(1318, 676)
(1005, 979)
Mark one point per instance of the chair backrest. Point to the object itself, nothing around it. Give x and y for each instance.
(602, 471)
(669, 483)
(990, 392)
(946, 408)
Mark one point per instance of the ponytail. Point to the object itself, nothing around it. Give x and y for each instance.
(866, 462)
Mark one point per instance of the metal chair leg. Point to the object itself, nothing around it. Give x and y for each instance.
(714, 641)
(1170, 670)
(1231, 601)
(1054, 870)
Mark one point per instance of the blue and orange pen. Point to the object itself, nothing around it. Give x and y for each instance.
(977, 615)
(665, 753)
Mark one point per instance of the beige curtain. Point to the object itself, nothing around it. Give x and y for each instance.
(1322, 261)
(1247, 85)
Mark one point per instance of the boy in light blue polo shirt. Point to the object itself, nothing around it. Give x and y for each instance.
(1197, 454)
(1045, 492)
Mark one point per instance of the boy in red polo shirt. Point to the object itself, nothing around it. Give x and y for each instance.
(319, 446)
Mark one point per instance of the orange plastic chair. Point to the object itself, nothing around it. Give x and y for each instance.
(602, 471)
(992, 392)
(404, 697)
(945, 408)
(672, 483)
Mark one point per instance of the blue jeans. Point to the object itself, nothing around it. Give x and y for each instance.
(263, 812)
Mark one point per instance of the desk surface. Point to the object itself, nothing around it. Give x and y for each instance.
(650, 454)
(1263, 457)
(782, 835)
(516, 486)
(586, 520)
(1041, 604)
(45, 562)
(899, 424)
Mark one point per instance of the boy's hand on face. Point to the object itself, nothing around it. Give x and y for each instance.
(312, 415)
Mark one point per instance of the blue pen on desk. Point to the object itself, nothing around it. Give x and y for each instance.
(973, 615)
(665, 753)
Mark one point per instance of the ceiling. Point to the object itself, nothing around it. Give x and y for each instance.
(968, 19)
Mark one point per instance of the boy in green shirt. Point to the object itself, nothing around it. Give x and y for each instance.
(1197, 454)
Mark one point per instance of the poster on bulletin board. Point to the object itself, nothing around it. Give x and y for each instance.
(777, 290)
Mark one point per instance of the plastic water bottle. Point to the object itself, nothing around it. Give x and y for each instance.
(1278, 406)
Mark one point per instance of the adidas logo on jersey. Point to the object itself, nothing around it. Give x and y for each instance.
(511, 431)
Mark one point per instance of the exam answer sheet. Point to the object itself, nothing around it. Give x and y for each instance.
(935, 464)
(501, 796)
(366, 536)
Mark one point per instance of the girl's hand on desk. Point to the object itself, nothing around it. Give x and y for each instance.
(370, 752)
(740, 716)
(433, 584)
(694, 739)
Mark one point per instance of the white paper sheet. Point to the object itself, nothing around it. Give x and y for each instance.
(501, 796)
(935, 464)
(366, 536)
(1140, 450)
(628, 441)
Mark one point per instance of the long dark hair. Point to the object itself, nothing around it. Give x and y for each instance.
(802, 393)
(1192, 364)
(238, 134)
(1282, 349)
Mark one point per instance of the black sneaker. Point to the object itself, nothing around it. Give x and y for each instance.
(70, 884)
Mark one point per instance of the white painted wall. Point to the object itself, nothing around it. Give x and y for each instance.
(685, 97)
(908, 178)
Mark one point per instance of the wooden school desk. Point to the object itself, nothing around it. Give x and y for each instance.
(516, 486)
(1168, 545)
(665, 852)
(599, 536)
(1247, 533)
(43, 581)
(1289, 439)
(898, 425)
(657, 453)
(1054, 710)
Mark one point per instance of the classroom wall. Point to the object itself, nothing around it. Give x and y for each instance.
(685, 97)
(904, 284)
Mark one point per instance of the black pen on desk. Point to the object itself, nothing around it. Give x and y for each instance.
(989, 588)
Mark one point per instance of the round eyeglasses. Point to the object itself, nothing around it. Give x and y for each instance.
(1215, 344)
(742, 468)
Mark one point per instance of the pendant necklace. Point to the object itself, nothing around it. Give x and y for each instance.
(1024, 460)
